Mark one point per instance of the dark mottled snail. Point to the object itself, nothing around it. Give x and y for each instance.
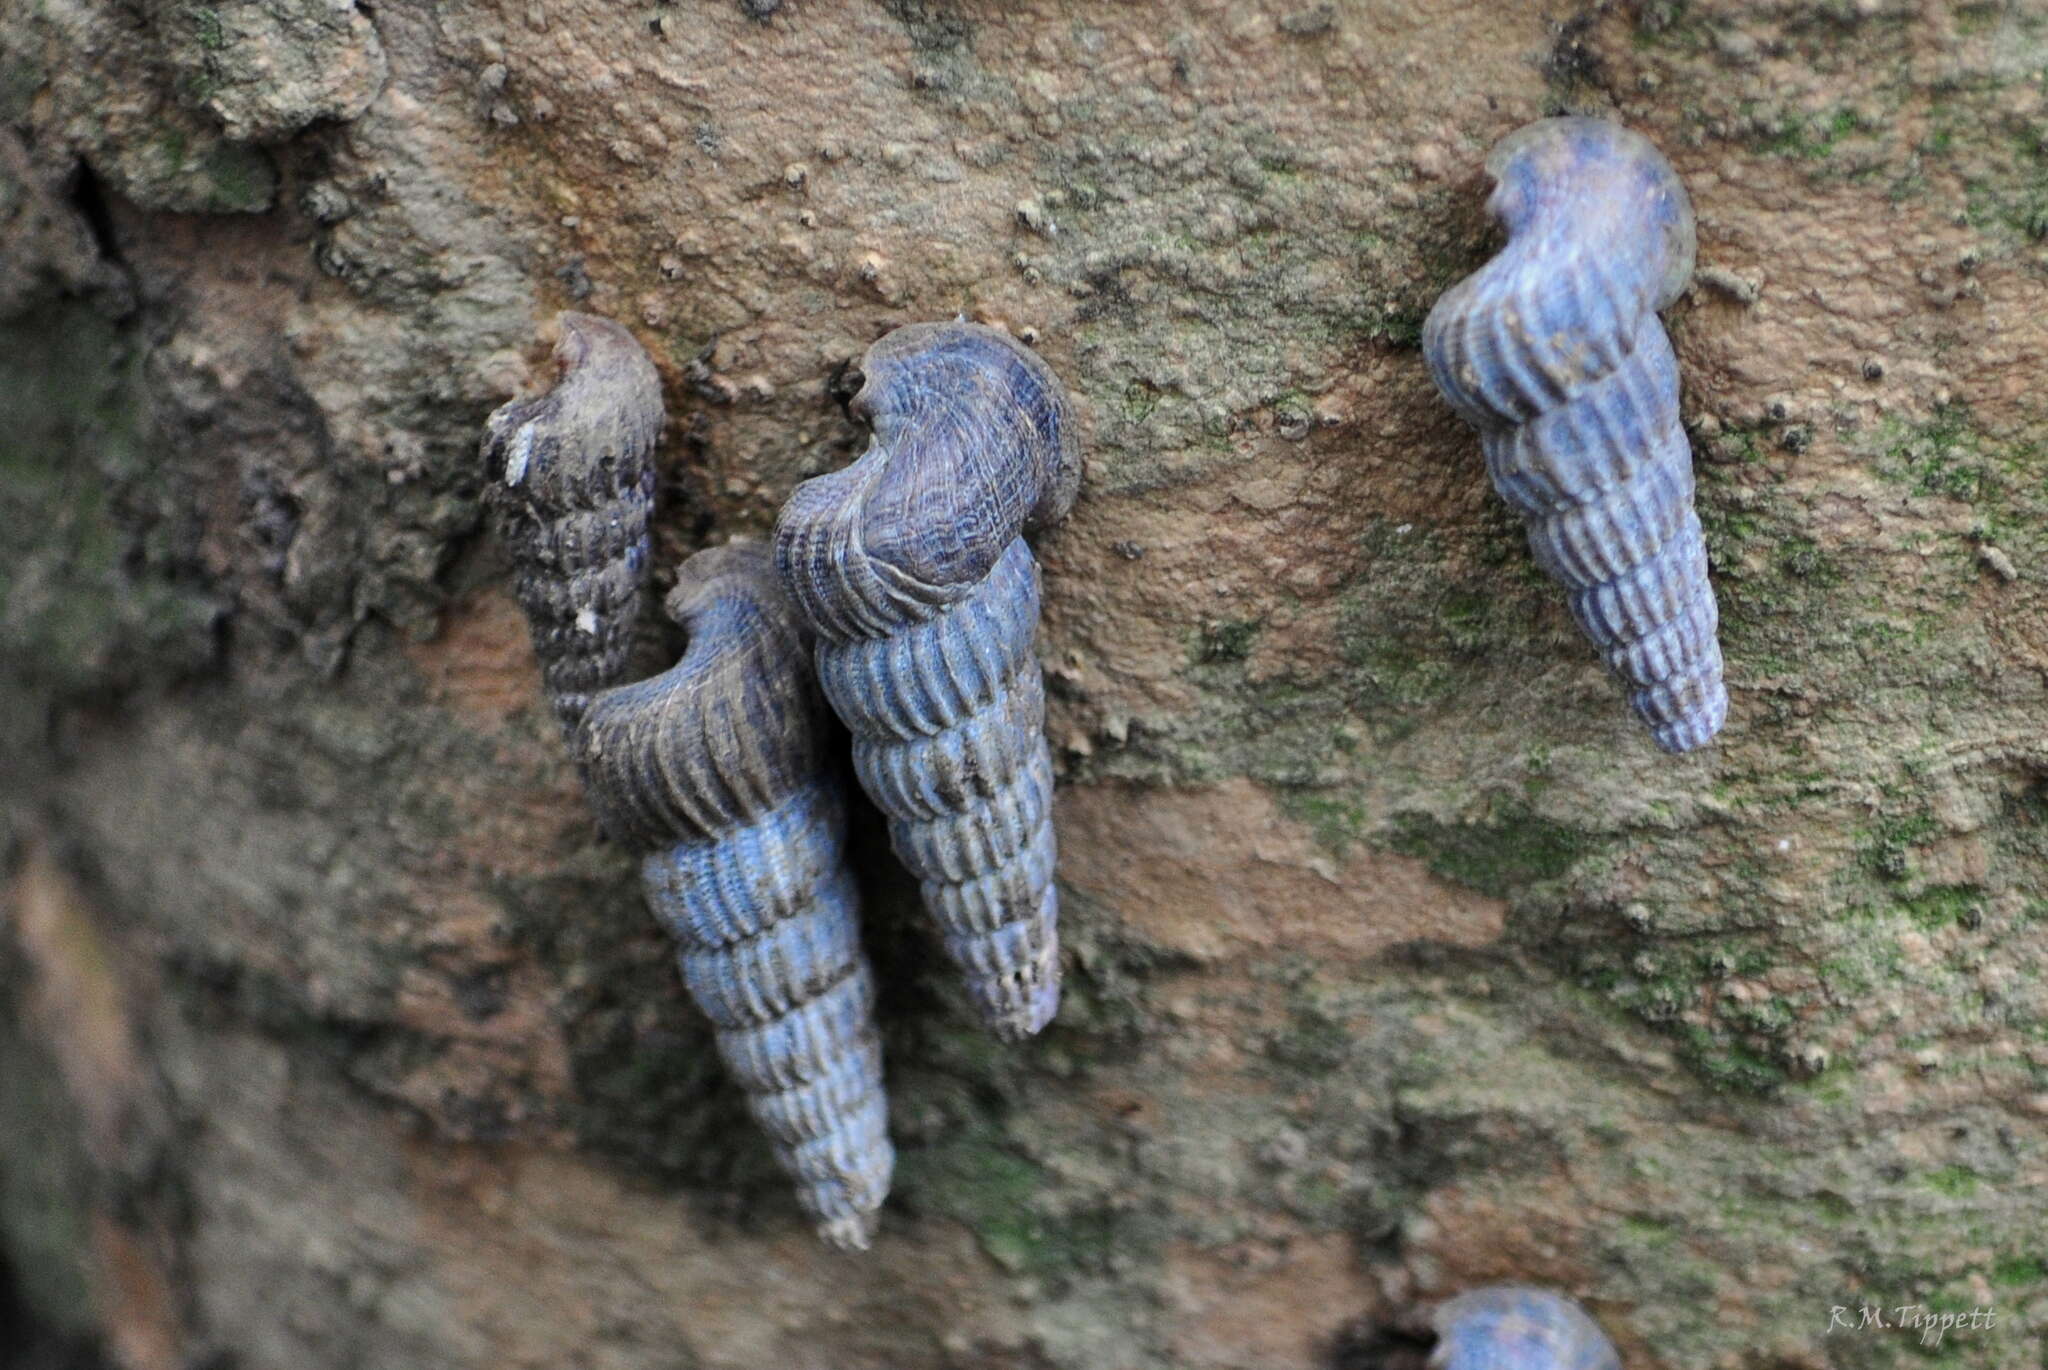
(911, 566)
(572, 480)
(721, 773)
(1554, 352)
(1512, 1328)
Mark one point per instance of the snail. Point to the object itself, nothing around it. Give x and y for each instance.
(911, 566)
(1507, 1327)
(1554, 352)
(571, 477)
(721, 773)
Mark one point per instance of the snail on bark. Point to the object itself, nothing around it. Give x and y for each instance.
(1554, 352)
(911, 566)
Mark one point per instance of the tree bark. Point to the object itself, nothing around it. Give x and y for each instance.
(1398, 960)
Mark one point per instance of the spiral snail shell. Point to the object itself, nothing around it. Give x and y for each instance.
(720, 774)
(911, 566)
(1554, 352)
(1507, 1327)
(571, 477)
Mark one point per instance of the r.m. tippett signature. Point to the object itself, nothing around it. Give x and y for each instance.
(1931, 1324)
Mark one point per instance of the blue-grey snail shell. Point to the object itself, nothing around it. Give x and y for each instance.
(1554, 352)
(1508, 1327)
(723, 773)
(912, 567)
(571, 477)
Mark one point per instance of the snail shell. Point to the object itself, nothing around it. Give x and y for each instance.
(1507, 1327)
(572, 481)
(721, 773)
(912, 567)
(1554, 352)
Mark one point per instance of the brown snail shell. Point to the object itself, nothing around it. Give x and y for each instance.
(571, 479)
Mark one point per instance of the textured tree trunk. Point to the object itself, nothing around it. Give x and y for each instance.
(1398, 960)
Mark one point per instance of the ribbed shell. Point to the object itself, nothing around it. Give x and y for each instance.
(1554, 352)
(720, 772)
(1512, 1328)
(572, 480)
(911, 566)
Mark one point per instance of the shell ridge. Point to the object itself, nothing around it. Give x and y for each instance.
(996, 624)
(983, 834)
(731, 890)
(835, 585)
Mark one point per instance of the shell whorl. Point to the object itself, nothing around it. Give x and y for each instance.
(719, 773)
(728, 732)
(1509, 1327)
(571, 477)
(973, 445)
(1554, 352)
(912, 568)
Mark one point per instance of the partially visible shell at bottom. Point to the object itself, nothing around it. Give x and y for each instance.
(1511, 1327)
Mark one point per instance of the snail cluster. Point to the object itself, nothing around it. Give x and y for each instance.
(900, 595)
(901, 598)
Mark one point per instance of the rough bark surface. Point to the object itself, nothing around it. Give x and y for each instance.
(1398, 959)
